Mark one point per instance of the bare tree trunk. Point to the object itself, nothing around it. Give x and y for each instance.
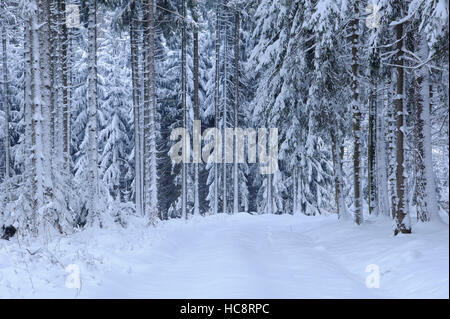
(141, 80)
(419, 161)
(46, 86)
(300, 190)
(196, 110)
(53, 92)
(68, 114)
(216, 109)
(236, 109)
(431, 190)
(27, 116)
(402, 224)
(269, 193)
(338, 178)
(6, 105)
(224, 119)
(94, 215)
(150, 156)
(335, 166)
(65, 85)
(381, 167)
(136, 111)
(40, 170)
(43, 136)
(146, 105)
(183, 94)
(391, 156)
(356, 120)
(427, 207)
(372, 145)
(295, 186)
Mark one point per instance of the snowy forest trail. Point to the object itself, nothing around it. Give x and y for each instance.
(244, 259)
(241, 256)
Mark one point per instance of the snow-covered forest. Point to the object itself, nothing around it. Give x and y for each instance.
(94, 95)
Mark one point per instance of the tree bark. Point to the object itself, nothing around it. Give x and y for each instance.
(94, 215)
(372, 145)
(196, 109)
(426, 199)
(136, 109)
(216, 108)
(381, 167)
(338, 178)
(184, 213)
(356, 121)
(39, 169)
(151, 174)
(391, 156)
(27, 115)
(402, 224)
(53, 73)
(224, 124)
(236, 110)
(65, 85)
(6, 105)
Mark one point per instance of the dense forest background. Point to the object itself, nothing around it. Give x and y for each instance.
(357, 89)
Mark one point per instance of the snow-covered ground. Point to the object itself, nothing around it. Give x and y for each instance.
(242, 256)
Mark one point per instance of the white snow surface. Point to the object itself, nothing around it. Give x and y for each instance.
(240, 256)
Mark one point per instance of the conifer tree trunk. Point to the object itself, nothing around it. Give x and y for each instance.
(236, 109)
(372, 145)
(299, 190)
(27, 97)
(53, 68)
(338, 178)
(196, 109)
(136, 110)
(431, 191)
(269, 193)
(427, 207)
(356, 120)
(146, 104)
(150, 154)
(419, 152)
(40, 177)
(295, 193)
(46, 87)
(216, 108)
(92, 115)
(224, 119)
(59, 174)
(43, 140)
(6, 104)
(391, 155)
(400, 214)
(381, 164)
(65, 84)
(183, 103)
